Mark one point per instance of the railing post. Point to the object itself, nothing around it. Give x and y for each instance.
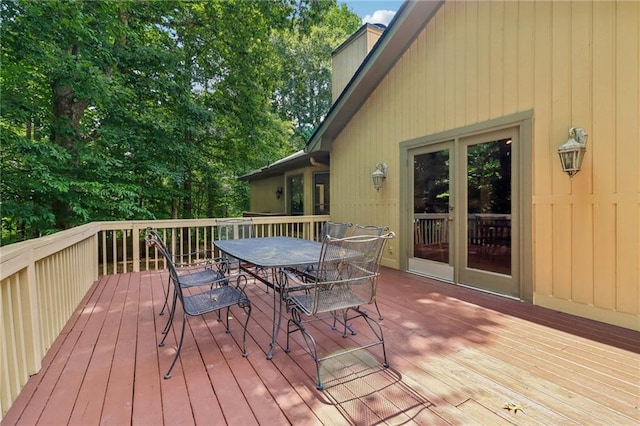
(34, 351)
(135, 242)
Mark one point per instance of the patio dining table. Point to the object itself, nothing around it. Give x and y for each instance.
(264, 258)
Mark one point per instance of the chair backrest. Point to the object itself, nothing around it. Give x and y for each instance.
(153, 239)
(368, 230)
(347, 272)
(233, 229)
(334, 229)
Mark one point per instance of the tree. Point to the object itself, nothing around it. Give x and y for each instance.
(60, 56)
(139, 110)
(304, 93)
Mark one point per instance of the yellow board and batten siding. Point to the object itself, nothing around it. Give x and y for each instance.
(263, 195)
(571, 64)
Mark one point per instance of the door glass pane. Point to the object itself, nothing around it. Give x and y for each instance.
(431, 206)
(296, 192)
(489, 206)
(321, 193)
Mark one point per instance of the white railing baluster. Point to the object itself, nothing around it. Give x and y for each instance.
(43, 280)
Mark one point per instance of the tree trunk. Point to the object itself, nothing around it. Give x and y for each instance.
(187, 202)
(174, 209)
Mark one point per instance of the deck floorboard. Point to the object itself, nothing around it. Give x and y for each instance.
(457, 357)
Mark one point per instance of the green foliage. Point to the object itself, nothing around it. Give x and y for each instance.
(140, 110)
(303, 96)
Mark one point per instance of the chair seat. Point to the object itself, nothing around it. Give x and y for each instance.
(212, 300)
(203, 277)
(333, 300)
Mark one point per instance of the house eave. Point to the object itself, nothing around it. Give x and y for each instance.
(295, 161)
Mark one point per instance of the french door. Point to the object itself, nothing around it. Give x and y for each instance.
(464, 223)
(433, 211)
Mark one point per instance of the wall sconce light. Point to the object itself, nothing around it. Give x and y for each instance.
(278, 192)
(572, 151)
(378, 175)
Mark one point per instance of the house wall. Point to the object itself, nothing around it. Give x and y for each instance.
(263, 195)
(572, 64)
(263, 191)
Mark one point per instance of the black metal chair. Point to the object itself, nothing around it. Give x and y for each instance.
(213, 299)
(345, 280)
(203, 271)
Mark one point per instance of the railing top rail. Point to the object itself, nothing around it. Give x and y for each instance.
(14, 257)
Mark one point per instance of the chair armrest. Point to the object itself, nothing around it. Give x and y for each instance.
(307, 274)
(293, 282)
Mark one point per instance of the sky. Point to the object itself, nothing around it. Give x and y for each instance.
(374, 11)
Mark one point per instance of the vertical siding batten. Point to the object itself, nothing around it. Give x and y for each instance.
(484, 62)
(496, 58)
(628, 155)
(471, 62)
(510, 63)
(602, 146)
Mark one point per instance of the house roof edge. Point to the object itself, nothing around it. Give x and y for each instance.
(402, 30)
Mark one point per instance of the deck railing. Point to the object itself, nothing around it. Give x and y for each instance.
(42, 281)
(482, 229)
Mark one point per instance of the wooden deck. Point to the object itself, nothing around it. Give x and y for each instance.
(457, 357)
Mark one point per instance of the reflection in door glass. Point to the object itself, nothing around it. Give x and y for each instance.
(489, 206)
(296, 191)
(431, 206)
(321, 193)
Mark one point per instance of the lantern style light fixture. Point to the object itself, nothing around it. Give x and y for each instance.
(572, 151)
(278, 192)
(378, 175)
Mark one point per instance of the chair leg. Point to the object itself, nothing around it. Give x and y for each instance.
(298, 325)
(167, 289)
(175, 358)
(265, 275)
(376, 331)
(227, 328)
(342, 321)
(225, 282)
(346, 324)
(166, 295)
(245, 304)
(378, 309)
(172, 312)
